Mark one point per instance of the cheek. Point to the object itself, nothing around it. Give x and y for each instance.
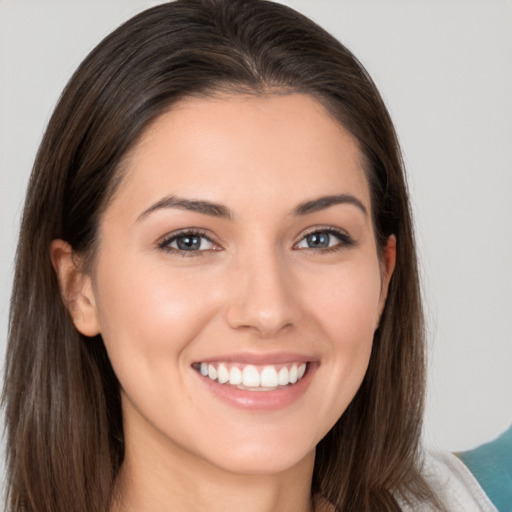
(345, 306)
(148, 313)
(345, 300)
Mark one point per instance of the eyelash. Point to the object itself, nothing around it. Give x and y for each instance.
(168, 240)
(345, 241)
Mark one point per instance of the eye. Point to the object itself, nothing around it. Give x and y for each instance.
(188, 241)
(324, 239)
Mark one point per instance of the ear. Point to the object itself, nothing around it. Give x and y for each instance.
(387, 268)
(76, 288)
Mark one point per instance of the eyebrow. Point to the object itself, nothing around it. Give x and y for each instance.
(324, 202)
(193, 205)
(219, 210)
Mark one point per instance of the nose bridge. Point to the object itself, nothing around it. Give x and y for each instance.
(262, 293)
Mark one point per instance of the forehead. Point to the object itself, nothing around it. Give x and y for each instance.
(232, 148)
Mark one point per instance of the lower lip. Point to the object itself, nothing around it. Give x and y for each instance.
(260, 400)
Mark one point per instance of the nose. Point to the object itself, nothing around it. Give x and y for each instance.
(263, 298)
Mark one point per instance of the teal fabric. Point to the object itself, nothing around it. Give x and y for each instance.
(491, 464)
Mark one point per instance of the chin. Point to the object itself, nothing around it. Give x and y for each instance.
(264, 461)
(267, 451)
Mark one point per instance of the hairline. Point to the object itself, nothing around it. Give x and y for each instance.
(225, 90)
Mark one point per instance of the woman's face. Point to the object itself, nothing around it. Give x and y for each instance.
(237, 284)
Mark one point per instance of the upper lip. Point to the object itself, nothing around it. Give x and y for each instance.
(259, 359)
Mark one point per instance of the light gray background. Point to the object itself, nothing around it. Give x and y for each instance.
(445, 71)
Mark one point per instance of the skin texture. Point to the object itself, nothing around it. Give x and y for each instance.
(255, 288)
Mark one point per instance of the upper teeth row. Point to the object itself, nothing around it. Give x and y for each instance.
(250, 376)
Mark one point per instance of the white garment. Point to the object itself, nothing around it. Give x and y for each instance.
(454, 484)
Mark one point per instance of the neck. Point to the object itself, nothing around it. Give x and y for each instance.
(142, 488)
(162, 477)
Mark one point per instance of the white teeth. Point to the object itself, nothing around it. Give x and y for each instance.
(251, 377)
(265, 379)
(235, 376)
(212, 372)
(282, 378)
(269, 377)
(293, 374)
(222, 374)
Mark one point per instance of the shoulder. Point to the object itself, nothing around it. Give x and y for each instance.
(491, 464)
(455, 486)
(451, 481)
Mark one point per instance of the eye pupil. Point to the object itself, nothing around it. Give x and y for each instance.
(188, 242)
(318, 240)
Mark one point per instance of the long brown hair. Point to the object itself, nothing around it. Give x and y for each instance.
(62, 405)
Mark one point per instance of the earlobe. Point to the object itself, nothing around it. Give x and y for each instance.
(76, 288)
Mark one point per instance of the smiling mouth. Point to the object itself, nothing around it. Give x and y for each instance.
(251, 377)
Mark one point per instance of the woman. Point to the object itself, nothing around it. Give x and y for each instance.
(216, 286)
